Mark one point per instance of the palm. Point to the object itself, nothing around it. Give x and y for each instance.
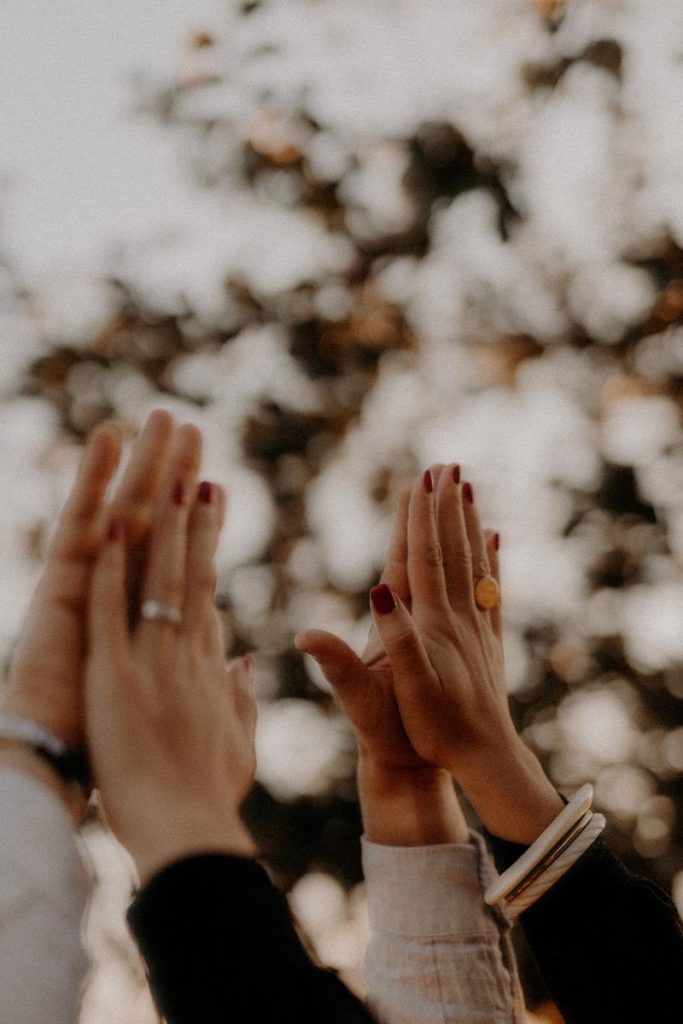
(378, 722)
(46, 675)
(365, 689)
(52, 643)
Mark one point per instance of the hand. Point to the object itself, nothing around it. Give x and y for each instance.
(405, 800)
(46, 674)
(447, 660)
(170, 727)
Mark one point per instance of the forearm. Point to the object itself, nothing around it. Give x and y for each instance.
(409, 806)
(219, 944)
(43, 893)
(425, 874)
(168, 838)
(618, 954)
(436, 951)
(509, 791)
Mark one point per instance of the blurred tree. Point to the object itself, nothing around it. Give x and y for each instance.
(492, 291)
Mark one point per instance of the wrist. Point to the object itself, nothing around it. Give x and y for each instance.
(178, 837)
(510, 793)
(409, 806)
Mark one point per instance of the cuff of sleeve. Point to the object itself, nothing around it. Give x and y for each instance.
(425, 891)
(37, 836)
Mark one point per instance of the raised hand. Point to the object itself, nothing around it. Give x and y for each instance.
(405, 800)
(447, 661)
(46, 673)
(170, 726)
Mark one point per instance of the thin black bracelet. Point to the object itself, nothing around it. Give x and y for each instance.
(72, 766)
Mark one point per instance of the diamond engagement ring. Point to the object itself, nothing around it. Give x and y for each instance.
(157, 610)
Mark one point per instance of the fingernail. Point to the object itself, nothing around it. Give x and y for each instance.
(114, 530)
(456, 474)
(248, 663)
(179, 492)
(468, 493)
(205, 492)
(496, 541)
(383, 600)
(428, 482)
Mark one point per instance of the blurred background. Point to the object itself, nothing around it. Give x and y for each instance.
(347, 239)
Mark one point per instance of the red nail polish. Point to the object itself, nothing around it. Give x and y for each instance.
(248, 662)
(496, 541)
(114, 530)
(205, 492)
(179, 492)
(456, 474)
(468, 493)
(383, 600)
(428, 482)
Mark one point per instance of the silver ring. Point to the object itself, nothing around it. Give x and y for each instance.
(157, 610)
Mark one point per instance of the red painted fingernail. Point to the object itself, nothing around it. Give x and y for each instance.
(456, 474)
(428, 482)
(179, 492)
(496, 541)
(114, 530)
(383, 600)
(468, 493)
(205, 492)
(248, 663)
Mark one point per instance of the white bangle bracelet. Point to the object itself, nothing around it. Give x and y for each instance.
(556, 831)
(555, 869)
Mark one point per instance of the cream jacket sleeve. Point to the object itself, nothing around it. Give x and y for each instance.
(43, 895)
(437, 953)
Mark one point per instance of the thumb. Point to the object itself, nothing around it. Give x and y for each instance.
(401, 641)
(343, 669)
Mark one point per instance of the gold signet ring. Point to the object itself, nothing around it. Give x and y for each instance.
(487, 593)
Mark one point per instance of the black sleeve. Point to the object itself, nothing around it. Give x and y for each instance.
(220, 947)
(609, 944)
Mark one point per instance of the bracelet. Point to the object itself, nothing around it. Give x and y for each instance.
(561, 844)
(71, 765)
(529, 893)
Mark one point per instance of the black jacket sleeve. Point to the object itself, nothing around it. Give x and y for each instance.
(609, 944)
(220, 947)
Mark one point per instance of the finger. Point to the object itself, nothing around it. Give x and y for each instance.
(403, 646)
(425, 557)
(436, 469)
(492, 545)
(77, 532)
(178, 462)
(140, 484)
(215, 636)
(108, 639)
(184, 462)
(455, 545)
(345, 672)
(165, 576)
(475, 534)
(200, 571)
(178, 490)
(395, 573)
